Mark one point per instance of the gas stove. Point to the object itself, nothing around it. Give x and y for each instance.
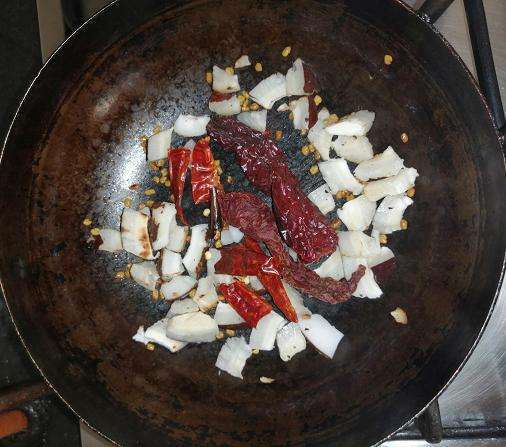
(472, 408)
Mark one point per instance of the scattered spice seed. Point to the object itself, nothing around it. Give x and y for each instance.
(157, 129)
(188, 238)
(221, 298)
(336, 223)
(245, 107)
(303, 132)
(341, 194)
(255, 351)
(144, 142)
(317, 156)
(160, 163)
(149, 192)
(350, 197)
(278, 134)
(209, 77)
(404, 137)
(127, 201)
(311, 147)
(388, 59)
(318, 100)
(206, 212)
(167, 183)
(219, 170)
(156, 179)
(87, 222)
(286, 51)
(258, 67)
(245, 94)
(153, 165)
(127, 273)
(254, 106)
(404, 224)
(164, 172)
(141, 205)
(306, 317)
(217, 235)
(230, 179)
(241, 99)
(266, 380)
(230, 332)
(208, 255)
(155, 294)
(150, 346)
(218, 244)
(314, 169)
(192, 293)
(95, 231)
(383, 239)
(150, 203)
(220, 335)
(229, 70)
(120, 275)
(411, 192)
(305, 150)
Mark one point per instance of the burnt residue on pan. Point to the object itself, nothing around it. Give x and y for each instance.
(78, 151)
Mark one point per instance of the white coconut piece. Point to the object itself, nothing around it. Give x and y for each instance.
(332, 267)
(268, 91)
(321, 139)
(354, 149)
(290, 341)
(321, 334)
(177, 287)
(140, 336)
(389, 213)
(391, 186)
(134, 233)
(190, 125)
(386, 164)
(242, 62)
(233, 355)
(257, 120)
(384, 255)
(297, 302)
(350, 265)
(263, 335)
(283, 107)
(194, 327)
(224, 82)
(177, 237)
(322, 198)
(111, 240)
(357, 244)
(300, 113)
(231, 235)
(156, 334)
(159, 144)
(180, 307)
(172, 264)
(354, 124)
(145, 274)
(367, 287)
(205, 295)
(194, 253)
(225, 315)
(357, 214)
(338, 176)
(163, 216)
(217, 278)
(295, 79)
(226, 107)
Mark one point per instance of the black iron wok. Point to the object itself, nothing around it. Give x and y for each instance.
(74, 149)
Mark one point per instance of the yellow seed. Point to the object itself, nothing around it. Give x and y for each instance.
(209, 77)
(230, 179)
(336, 223)
(163, 179)
(217, 235)
(153, 165)
(306, 317)
(303, 132)
(305, 150)
(258, 67)
(220, 335)
(192, 293)
(164, 172)
(286, 51)
(404, 137)
(318, 100)
(278, 134)
(208, 255)
(160, 163)
(221, 298)
(127, 201)
(388, 59)
(149, 192)
(206, 212)
(217, 163)
(219, 170)
(150, 346)
(411, 192)
(229, 70)
(317, 156)
(162, 296)
(311, 147)
(156, 179)
(383, 239)
(245, 94)
(314, 169)
(120, 275)
(87, 222)
(127, 273)
(144, 140)
(95, 231)
(349, 197)
(404, 224)
(241, 99)
(333, 118)
(266, 380)
(218, 244)
(150, 203)
(167, 183)
(155, 294)
(341, 194)
(230, 332)
(157, 129)
(254, 106)
(255, 351)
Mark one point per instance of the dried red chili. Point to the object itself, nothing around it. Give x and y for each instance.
(270, 277)
(239, 260)
(252, 245)
(179, 160)
(203, 172)
(250, 306)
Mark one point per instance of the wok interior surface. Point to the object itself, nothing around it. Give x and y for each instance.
(77, 151)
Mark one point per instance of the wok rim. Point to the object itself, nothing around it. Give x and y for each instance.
(424, 21)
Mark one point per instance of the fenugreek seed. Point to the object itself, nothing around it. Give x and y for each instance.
(306, 317)
(317, 156)
(167, 183)
(388, 59)
(217, 163)
(127, 201)
(155, 294)
(404, 224)
(255, 351)
(245, 107)
(149, 192)
(153, 165)
(209, 77)
(230, 332)
(150, 203)
(220, 335)
(245, 94)
(278, 134)
(318, 100)
(303, 132)
(208, 255)
(221, 298)
(286, 51)
(383, 239)
(87, 222)
(254, 106)
(218, 244)
(192, 293)
(314, 169)
(333, 118)
(230, 179)
(229, 70)
(258, 67)
(219, 170)
(163, 179)
(206, 212)
(160, 163)
(217, 235)
(95, 231)
(241, 99)
(157, 129)
(304, 150)
(411, 192)
(335, 224)
(349, 197)
(144, 140)
(120, 275)
(404, 137)
(127, 273)
(156, 179)
(311, 147)
(150, 346)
